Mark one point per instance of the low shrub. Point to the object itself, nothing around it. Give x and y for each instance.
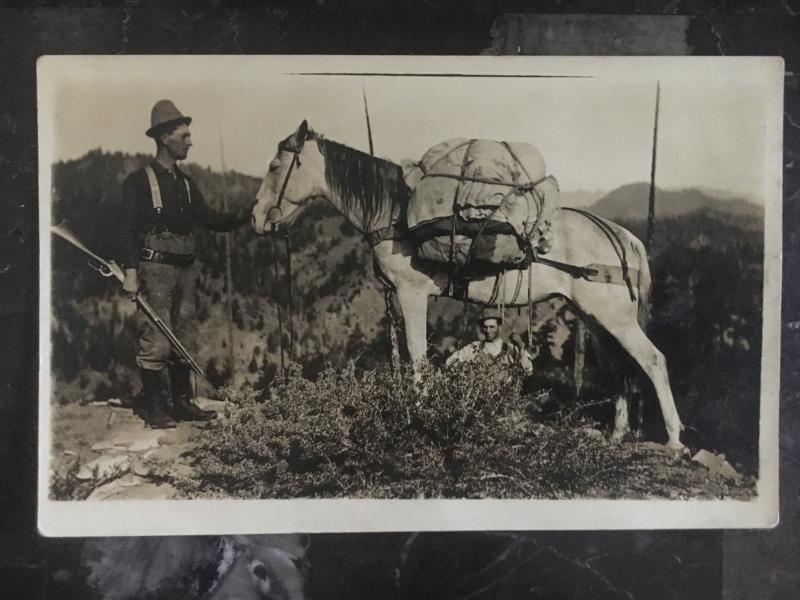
(461, 432)
(66, 485)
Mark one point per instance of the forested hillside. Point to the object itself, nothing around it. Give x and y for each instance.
(707, 269)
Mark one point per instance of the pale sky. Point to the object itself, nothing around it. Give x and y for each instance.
(717, 126)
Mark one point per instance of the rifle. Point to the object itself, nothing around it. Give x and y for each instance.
(108, 268)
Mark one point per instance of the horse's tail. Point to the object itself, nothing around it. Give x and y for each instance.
(644, 284)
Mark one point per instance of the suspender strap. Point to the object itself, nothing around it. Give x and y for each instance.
(155, 191)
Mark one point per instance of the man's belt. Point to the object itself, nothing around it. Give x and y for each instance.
(168, 258)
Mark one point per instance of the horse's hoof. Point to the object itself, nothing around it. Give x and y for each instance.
(678, 447)
(618, 437)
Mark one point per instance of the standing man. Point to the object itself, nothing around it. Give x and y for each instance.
(492, 348)
(160, 206)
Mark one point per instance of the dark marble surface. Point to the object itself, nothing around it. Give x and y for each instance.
(669, 564)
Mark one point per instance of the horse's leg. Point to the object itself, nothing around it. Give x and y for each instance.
(414, 305)
(612, 362)
(654, 364)
(621, 420)
(394, 337)
(412, 288)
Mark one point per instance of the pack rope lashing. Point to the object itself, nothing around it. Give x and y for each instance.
(425, 174)
(453, 229)
(472, 246)
(443, 156)
(517, 288)
(517, 188)
(539, 199)
(495, 290)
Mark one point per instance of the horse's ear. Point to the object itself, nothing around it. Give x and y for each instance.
(301, 134)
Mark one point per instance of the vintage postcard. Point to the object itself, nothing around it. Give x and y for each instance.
(339, 293)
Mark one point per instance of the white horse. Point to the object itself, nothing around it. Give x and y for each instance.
(371, 194)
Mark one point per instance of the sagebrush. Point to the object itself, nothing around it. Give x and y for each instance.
(464, 432)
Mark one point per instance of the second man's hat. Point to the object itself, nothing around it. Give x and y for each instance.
(491, 313)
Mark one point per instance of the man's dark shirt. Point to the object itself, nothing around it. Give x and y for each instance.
(178, 215)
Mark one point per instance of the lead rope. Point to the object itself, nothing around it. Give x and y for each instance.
(289, 300)
(502, 296)
(295, 161)
(277, 282)
(530, 307)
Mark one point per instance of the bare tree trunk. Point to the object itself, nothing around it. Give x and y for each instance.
(228, 276)
(651, 208)
(229, 302)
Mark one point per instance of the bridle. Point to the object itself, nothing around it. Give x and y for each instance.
(276, 211)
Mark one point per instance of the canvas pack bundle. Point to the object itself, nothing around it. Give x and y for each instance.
(481, 205)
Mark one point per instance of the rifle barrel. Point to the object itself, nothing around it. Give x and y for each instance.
(67, 234)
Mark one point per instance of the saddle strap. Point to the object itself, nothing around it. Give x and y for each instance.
(576, 271)
(616, 244)
(595, 272)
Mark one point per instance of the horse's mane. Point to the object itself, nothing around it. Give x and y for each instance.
(367, 186)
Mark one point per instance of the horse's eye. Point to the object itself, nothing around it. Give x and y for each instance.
(274, 166)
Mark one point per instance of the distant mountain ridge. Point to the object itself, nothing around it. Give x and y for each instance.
(629, 203)
(580, 198)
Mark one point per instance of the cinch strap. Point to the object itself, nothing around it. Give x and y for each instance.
(155, 192)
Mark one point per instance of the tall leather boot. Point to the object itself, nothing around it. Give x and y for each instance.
(183, 408)
(155, 400)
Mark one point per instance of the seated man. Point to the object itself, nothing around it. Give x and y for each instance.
(492, 347)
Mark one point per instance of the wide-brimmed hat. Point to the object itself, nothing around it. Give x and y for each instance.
(491, 313)
(163, 115)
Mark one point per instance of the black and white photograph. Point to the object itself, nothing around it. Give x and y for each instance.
(348, 293)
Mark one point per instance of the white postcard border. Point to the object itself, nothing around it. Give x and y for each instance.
(182, 517)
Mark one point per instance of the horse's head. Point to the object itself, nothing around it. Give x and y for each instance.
(294, 176)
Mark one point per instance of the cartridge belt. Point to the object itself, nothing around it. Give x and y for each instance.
(167, 258)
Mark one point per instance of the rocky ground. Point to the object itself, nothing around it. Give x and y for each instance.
(103, 451)
(699, 475)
